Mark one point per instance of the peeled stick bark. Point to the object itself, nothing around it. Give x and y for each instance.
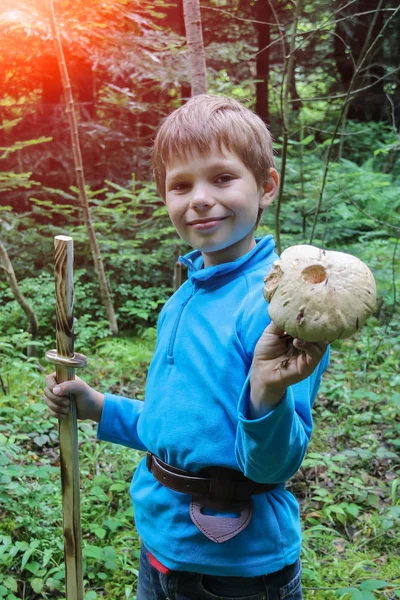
(67, 361)
(319, 295)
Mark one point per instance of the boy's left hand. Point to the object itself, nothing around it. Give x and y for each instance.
(280, 361)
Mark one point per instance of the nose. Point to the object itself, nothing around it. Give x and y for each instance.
(201, 197)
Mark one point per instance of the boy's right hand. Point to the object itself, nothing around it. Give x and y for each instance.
(89, 403)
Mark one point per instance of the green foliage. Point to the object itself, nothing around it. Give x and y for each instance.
(360, 203)
(138, 246)
(31, 549)
(12, 181)
(20, 145)
(365, 590)
(348, 485)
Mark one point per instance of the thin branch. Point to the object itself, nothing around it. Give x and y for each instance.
(343, 109)
(232, 16)
(284, 97)
(362, 211)
(341, 133)
(352, 93)
(349, 17)
(312, 32)
(347, 48)
(79, 169)
(3, 387)
(5, 265)
(393, 115)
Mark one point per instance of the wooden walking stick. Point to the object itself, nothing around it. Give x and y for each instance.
(66, 362)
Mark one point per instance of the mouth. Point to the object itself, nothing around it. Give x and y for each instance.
(207, 221)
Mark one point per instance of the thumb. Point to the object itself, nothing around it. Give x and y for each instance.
(67, 387)
(274, 329)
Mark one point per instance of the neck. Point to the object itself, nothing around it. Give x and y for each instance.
(231, 253)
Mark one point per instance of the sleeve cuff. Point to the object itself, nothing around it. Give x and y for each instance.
(244, 406)
(118, 422)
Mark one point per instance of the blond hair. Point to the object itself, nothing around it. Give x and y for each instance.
(206, 120)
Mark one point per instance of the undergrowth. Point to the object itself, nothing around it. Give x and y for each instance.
(348, 486)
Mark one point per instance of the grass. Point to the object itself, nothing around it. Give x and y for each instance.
(348, 486)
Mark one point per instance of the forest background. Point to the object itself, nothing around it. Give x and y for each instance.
(325, 76)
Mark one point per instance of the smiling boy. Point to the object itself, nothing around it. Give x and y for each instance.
(214, 201)
(223, 424)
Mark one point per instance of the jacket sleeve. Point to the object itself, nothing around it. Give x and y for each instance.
(271, 449)
(120, 416)
(119, 421)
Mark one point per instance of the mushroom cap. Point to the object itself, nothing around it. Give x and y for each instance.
(319, 295)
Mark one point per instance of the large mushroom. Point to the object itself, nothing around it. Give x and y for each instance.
(319, 295)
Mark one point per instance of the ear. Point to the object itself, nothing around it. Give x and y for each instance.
(270, 188)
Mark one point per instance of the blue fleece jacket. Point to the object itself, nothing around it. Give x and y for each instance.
(195, 415)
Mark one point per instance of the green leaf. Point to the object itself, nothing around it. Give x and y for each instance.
(47, 554)
(93, 552)
(373, 584)
(307, 140)
(387, 524)
(366, 595)
(328, 142)
(110, 553)
(353, 509)
(343, 211)
(358, 595)
(112, 524)
(342, 591)
(37, 585)
(28, 553)
(11, 584)
(92, 595)
(33, 567)
(100, 532)
(118, 487)
(348, 590)
(41, 440)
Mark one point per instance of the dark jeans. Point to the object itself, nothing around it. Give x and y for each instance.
(182, 585)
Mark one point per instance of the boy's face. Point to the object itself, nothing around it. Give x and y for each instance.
(213, 202)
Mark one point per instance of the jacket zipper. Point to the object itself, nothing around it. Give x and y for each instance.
(170, 353)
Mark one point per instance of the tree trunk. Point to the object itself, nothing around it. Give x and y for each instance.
(6, 266)
(194, 39)
(361, 27)
(262, 13)
(80, 177)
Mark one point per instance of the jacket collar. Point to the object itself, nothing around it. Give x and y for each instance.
(197, 274)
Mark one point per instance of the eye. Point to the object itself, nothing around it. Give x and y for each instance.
(224, 178)
(181, 186)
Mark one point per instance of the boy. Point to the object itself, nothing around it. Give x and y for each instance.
(224, 424)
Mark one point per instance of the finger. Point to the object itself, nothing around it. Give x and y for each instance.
(57, 415)
(274, 329)
(57, 410)
(315, 350)
(67, 387)
(62, 403)
(51, 380)
(56, 397)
